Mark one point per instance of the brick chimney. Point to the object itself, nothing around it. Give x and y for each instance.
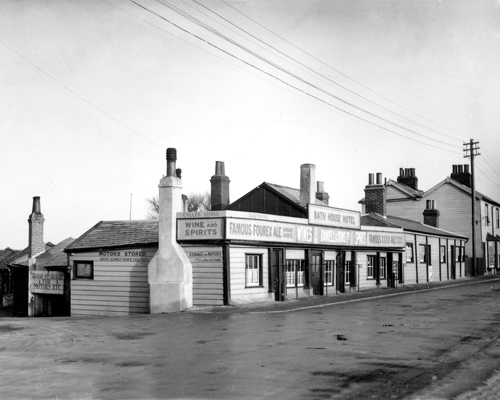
(220, 188)
(170, 273)
(321, 194)
(308, 183)
(408, 178)
(431, 215)
(35, 221)
(461, 174)
(375, 195)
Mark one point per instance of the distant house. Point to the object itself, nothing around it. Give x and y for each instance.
(39, 275)
(450, 201)
(6, 256)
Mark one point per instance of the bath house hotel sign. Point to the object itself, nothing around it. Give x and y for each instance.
(325, 226)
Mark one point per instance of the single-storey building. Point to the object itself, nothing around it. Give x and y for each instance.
(274, 243)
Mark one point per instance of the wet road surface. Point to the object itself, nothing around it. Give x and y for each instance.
(432, 344)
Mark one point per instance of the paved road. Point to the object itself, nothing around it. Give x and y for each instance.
(418, 344)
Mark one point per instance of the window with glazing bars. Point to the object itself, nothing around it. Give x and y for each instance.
(294, 273)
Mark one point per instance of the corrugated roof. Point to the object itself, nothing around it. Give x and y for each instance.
(107, 234)
(409, 225)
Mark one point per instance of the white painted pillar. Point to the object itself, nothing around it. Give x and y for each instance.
(170, 273)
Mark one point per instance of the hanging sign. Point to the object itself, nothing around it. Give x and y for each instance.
(46, 282)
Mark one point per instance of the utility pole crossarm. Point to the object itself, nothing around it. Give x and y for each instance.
(471, 150)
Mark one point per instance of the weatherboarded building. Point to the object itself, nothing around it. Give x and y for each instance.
(447, 205)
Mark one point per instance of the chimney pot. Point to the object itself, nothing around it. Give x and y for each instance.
(220, 168)
(401, 172)
(171, 158)
(379, 178)
(460, 169)
(36, 205)
(466, 168)
(370, 179)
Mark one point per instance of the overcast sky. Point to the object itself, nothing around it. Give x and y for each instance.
(93, 92)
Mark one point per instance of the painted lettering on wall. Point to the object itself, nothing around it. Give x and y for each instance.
(140, 257)
(194, 229)
(46, 282)
(205, 256)
(329, 216)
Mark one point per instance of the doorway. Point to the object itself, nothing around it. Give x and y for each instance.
(277, 276)
(316, 268)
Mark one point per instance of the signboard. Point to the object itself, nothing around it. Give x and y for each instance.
(199, 229)
(46, 282)
(329, 216)
(382, 239)
(271, 231)
(133, 256)
(204, 257)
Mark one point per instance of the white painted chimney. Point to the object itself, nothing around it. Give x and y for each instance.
(170, 273)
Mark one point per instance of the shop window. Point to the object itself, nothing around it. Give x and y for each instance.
(253, 270)
(329, 268)
(83, 270)
(486, 214)
(421, 253)
(442, 254)
(383, 267)
(409, 252)
(294, 273)
(370, 264)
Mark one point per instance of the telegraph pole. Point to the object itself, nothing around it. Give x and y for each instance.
(471, 149)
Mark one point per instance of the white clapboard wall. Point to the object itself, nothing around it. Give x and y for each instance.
(208, 286)
(119, 286)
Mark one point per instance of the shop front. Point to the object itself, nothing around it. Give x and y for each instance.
(241, 257)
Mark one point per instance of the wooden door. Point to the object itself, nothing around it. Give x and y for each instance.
(316, 270)
(277, 274)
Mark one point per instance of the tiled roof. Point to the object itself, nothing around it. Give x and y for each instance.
(410, 192)
(52, 257)
(7, 252)
(406, 189)
(107, 234)
(409, 225)
(16, 258)
(291, 194)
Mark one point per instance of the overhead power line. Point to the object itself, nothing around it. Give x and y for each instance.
(284, 82)
(320, 74)
(344, 75)
(78, 95)
(293, 75)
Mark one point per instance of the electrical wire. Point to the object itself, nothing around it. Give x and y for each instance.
(78, 95)
(217, 33)
(320, 74)
(286, 83)
(341, 73)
